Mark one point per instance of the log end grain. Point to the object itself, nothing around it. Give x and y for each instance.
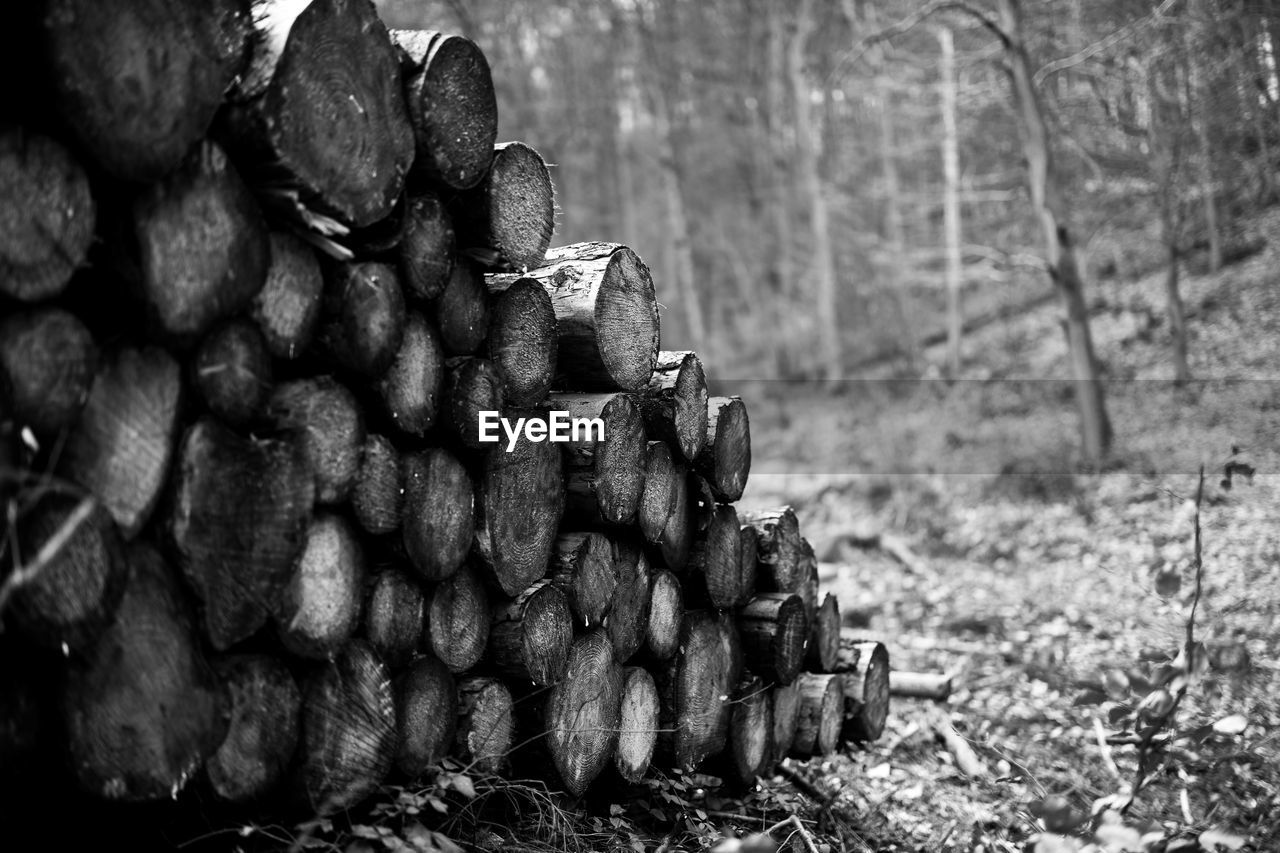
(410, 389)
(583, 712)
(320, 607)
(377, 498)
(287, 308)
(458, 620)
(638, 724)
(438, 520)
(725, 462)
(233, 372)
(426, 250)
(666, 612)
(48, 358)
(263, 731)
(364, 318)
(427, 715)
(522, 341)
(394, 617)
(327, 422)
(486, 724)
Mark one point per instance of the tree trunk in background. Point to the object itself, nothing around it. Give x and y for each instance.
(951, 198)
(1164, 140)
(825, 302)
(780, 206)
(1198, 97)
(1254, 86)
(1060, 252)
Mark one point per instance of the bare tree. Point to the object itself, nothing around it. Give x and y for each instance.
(951, 198)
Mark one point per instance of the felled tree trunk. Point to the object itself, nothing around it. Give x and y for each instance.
(823, 650)
(778, 548)
(410, 389)
(666, 613)
(486, 724)
(658, 497)
(522, 340)
(439, 509)
(785, 701)
(678, 531)
(320, 112)
(530, 635)
(458, 620)
(695, 688)
(725, 461)
(320, 607)
(604, 476)
(750, 746)
(471, 386)
(582, 567)
(773, 630)
(232, 372)
(506, 221)
(48, 360)
(638, 724)
(378, 497)
(583, 712)
(452, 106)
(426, 248)
(674, 403)
(263, 732)
(606, 315)
(863, 669)
(426, 714)
(362, 323)
(463, 312)
(628, 620)
(821, 713)
(394, 616)
(715, 575)
(326, 420)
(287, 308)
(920, 685)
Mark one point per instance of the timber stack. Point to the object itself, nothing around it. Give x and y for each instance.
(256, 297)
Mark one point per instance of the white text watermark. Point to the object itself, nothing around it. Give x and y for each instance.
(558, 426)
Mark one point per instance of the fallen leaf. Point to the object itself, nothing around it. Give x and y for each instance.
(1232, 725)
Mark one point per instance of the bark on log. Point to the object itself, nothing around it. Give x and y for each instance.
(637, 725)
(530, 635)
(349, 734)
(233, 372)
(122, 443)
(439, 513)
(427, 714)
(47, 360)
(628, 621)
(658, 498)
(714, 570)
(674, 403)
(452, 106)
(471, 386)
(808, 581)
(47, 215)
(74, 597)
(666, 613)
(522, 341)
(486, 724)
(520, 499)
(139, 82)
(606, 315)
(320, 607)
(779, 549)
(864, 673)
(604, 474)
(823, 650)
(920, 685)
(584, 711)
(263, 732)
(287, 308)
(378, 497)
(786, 718)
(320, 111)
(773, 630)
(410, 389)
(426, 248)
(582, 567)
(458, 620)
(678, 532)
(750, 746)
(821, 712)
(143, 709)
(395, 616)
(463, 310)
(748, 553)
(725, 461)
(694, 690)
(363, 318)
(203, 245)
(507, 219)
(326, 421)
(238, 520)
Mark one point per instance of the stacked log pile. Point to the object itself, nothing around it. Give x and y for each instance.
(256, 295)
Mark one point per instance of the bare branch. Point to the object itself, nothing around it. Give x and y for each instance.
(914, 20)
(23, 575)
(1104, 44)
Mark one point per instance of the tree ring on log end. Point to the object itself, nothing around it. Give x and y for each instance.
(626, 319)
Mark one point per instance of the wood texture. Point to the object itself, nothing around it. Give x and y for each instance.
(458, 620)
(322, 415)
(507, 219)
(583, 712)
(725, 461)
(48, 360)
(582, 567)
(426, 714)
(530, 635)
(410, 388)
(439, 509)
(320, 607)
(674, 403)
(604, 476)
(263, 730)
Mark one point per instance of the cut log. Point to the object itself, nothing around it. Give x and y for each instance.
(808, 582)
(378, 496)
(519, 500)
(666, 612)
(582, 567)
(426, 248)
(463, 310)
(606, 315)
(658, 498)
(584, 711)
(122, 443)
(748, 553)
(638, 725)
(628, 621)
(326, 421)
(715, 575)
(73, 597)
(287, 308)
(779, 549)
(786, 718)
(47, 216)
(263, 733)
(530, 635)
(143, 709)
(471, 386)
(395, 616)
(695, 690)
(380, 239)
(349, 734)
(452, 106)
(863, 669)
(139, 82)
(773, 629)
(427, 711)
(458, 620)
(48, 360)
(439, 513)
(678, 532)
(507, 219)
(725, 461)
(821, 712)
(750, 746)
(233, 372)
(320, 608)
(674, 403)
(920, 685)
(363, 318)
(238, 520)
(522, 341)
(320, 112)
(203, 245)
(823, 650)
(410, 389)
(604, 466)
(486, 724)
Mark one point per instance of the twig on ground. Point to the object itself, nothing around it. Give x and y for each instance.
(799, 829)
(1105, 748)
(966, 759)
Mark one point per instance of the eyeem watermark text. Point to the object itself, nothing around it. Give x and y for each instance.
(557, 426)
